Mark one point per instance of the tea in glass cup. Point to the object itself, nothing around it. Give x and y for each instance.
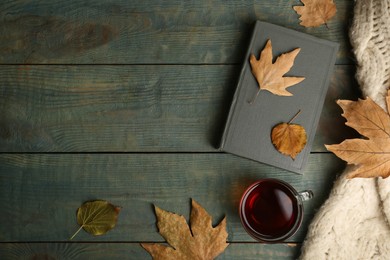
(271, 210)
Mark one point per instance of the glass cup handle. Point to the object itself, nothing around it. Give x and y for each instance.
(305, 195)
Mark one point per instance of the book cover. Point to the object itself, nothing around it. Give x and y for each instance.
(248, 128)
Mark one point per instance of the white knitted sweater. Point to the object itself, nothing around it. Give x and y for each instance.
(354, 222)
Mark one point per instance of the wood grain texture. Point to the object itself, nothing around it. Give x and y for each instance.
(144, 32)
(149, 83)
(103, 251)
(39, 193)
(133, 108)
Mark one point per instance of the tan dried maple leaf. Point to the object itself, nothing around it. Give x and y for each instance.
(289, 139)
(315, 12)
(201, 242)
(371, 155)
(269, 75)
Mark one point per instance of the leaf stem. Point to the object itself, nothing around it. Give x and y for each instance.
(254, 98)
(299, 111)
(81, 227)
(327, 27)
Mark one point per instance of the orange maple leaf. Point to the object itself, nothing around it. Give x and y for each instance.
(315, 12)
(202, 241)
(269, 75)
(372, 155)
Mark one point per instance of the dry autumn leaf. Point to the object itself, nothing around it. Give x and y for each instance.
(315, 12)
(269, 75)
(97, 217)
(202, 241)
(372, 155)
(289, 139)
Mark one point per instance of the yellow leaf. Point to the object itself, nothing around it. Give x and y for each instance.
(315, 12)
(97, 217)
(372, 155)
(289, 139)
(269, 75)
(202, 241)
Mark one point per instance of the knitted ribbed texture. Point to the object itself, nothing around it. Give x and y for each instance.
(370, 38)
(354, 222)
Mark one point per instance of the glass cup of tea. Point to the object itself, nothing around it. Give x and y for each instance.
(271, 210)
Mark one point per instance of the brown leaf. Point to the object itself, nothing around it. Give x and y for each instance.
(289, 139)
(372, 155)
(202, 241)
(315, 12)
(270, 75)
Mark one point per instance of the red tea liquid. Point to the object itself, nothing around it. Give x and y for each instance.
(270, 210)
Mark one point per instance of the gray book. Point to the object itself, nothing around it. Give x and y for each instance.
(248, 128)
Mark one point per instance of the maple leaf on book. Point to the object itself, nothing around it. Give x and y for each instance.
(202, 241)
(269, 75)
(371, 155)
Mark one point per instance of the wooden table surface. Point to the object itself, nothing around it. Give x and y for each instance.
(126, 101)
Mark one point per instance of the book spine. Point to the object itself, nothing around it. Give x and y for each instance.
(233, 104)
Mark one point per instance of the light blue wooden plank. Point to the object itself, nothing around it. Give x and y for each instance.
(133, 32)
(39, 193)
(103, 251)
(134, 108)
